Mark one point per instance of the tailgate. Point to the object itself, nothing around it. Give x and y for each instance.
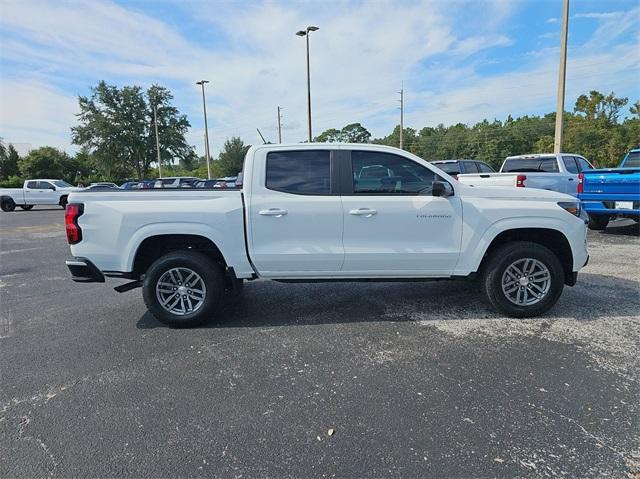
(622, 181)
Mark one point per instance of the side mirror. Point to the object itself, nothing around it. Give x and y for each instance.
(441, 188)
(51, 187)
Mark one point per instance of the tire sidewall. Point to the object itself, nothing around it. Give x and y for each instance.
(210, 272)
(7, 205)
(63, 201)
(501, 260)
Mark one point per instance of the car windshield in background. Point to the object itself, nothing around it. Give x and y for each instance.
(633, 160)
(62, 184)
(529, 165)
(449, 168)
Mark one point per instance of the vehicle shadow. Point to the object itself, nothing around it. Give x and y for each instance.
(271, 304)
(623, 228)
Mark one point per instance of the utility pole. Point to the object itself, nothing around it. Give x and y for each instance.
(562, 76)
(155, 123)
(279, 126)
(305, 33)
(401, 114)
(206, 129)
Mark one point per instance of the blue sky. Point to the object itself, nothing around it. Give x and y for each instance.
(460, 61)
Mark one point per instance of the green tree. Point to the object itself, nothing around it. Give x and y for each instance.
(232, 156)
(48, 162)
(118, 126)
(596, 106)
(352, 133)
(9, 160)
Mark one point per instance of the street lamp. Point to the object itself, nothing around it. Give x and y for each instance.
(305, 33)
(206, 128)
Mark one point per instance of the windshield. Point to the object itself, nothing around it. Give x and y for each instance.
(633, 160)
(524, 165)
(449, 168)
(62, 184)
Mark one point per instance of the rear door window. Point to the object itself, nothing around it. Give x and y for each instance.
(570, 164)
(304, 172)
(470, 167)
(452, 168)
(32, 185)
(484, 168)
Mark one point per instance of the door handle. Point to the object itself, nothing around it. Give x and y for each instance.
(571, 179)
(366, 212)
(277, 212)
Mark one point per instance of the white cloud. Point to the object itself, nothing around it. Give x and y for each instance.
(360, 55)
(552, 20)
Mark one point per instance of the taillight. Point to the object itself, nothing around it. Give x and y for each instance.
(580, 182)
(72, 212)
(520, 179)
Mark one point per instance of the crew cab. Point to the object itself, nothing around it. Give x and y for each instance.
(547, 171)
(611, 193)
(36, 192)
(327, 212)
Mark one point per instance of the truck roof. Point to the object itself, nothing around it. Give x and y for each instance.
(538, 155)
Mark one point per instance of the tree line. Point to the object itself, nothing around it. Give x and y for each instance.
(116, 139)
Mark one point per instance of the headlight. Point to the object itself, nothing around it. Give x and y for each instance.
(573, 207)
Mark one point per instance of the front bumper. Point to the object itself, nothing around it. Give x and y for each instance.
(84, 271)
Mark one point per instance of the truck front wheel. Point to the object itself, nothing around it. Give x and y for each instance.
(183, 288)
(598, 222)
(63, 202)
(7, 204)
(522, 279)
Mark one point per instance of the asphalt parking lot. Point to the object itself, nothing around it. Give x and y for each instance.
(417, 379)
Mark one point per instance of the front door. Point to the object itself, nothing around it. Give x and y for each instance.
(393, 226)
(295, 214)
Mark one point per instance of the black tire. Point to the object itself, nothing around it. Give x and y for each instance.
(26, 207)
(210, 273)
(63, 202)
(7, 205)
(598, 222)
(501, 259)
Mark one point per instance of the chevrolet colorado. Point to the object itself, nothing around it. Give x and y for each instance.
(327, 212)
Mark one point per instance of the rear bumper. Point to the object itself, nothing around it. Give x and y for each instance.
(606, 204)
(84, 271)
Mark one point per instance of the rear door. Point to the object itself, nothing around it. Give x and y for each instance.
(393, 226)
(295, 213)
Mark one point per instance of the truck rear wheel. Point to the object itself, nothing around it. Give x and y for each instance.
(522, 279)
(183, 288)
(7, 204)
(598, 222)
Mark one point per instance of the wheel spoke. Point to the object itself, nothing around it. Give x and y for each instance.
(175, 296)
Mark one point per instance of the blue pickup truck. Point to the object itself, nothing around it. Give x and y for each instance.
(611, 193)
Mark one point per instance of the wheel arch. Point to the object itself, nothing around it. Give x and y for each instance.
(153, 247)
(553, 239)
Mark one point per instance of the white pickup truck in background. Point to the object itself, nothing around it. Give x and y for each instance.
(36, 192)
(327, 212)
(555, 172)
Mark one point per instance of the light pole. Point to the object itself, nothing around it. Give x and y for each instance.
(155, 123)
(305, 33)
(562, 76)
(206, 129)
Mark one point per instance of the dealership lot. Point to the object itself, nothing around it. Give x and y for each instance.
(415, 379)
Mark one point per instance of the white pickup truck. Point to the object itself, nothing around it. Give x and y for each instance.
(327, 212)
(555, 172)
(36, 192)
